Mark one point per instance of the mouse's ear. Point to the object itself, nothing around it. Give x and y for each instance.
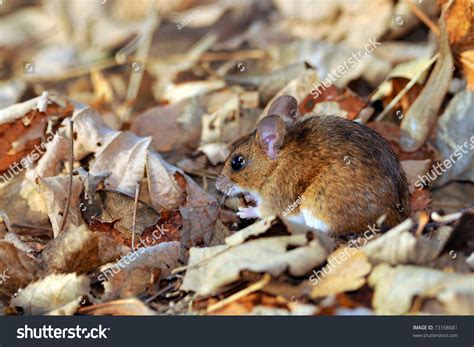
(270, 134)
(284, 106)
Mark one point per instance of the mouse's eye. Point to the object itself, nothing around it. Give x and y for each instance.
(237, 162)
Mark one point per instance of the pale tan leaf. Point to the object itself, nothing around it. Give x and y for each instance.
(54, 191)
(211, 268)
(342, 277)
(51, 293)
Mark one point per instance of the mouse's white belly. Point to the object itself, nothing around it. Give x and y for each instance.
(307, 218)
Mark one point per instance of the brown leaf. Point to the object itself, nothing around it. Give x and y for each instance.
(132, 274)
(80, 250)
(16, 268)
(348, 104)
(22, 126)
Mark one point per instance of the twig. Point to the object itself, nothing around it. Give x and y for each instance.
(144, 43)
(250, 289)
(410, 84)
(423, 219)
(160, 292)
(28, 226)
(423, 17)
(71, 171)
(134, 220)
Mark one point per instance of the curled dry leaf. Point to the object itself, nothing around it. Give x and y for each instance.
(80, 250)
(54, 191)
(421, 117)
(258, 228)
(216, 153)
(211, 268)
(139, 269)
(413, 170)
(225, 124)
(399, 246)
(51, 293)
(162, 186)
(124, 157)
(455, 139)
(17, 269)
(395, 289)
(22, 126)
(344, 277)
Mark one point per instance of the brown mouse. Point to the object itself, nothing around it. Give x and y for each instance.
(326, 172)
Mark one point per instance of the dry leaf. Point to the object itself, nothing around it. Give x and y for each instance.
(395, 289)
(399, 246)
(211, 268)
(51, 293)
(54, 191)
(347, 276)
(136, 270)
(16, 269)
(80, 250)
(455, 139)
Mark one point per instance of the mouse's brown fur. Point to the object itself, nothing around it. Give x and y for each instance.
(347, 173)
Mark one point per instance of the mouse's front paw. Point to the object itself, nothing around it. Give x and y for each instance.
(248, 212)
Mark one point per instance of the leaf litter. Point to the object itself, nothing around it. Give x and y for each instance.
(157, 104)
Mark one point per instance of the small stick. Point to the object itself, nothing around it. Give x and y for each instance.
(405, 90)
(250, 289)
(28, 226)
(134, 220)
(71, 171)
(423, 220)
(423, 17)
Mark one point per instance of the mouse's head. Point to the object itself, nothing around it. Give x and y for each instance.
(252, 160)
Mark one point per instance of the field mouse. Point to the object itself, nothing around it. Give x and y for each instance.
(337, 175)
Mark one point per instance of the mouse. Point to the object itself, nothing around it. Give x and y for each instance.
(325, 172)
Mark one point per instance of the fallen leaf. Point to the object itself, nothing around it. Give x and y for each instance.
(137, 270)
(211, 268)
(51, 293)
(80, 250)
(348, 276)
(395, 289)
(54, 191)
(16, 268)
(399, 246)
